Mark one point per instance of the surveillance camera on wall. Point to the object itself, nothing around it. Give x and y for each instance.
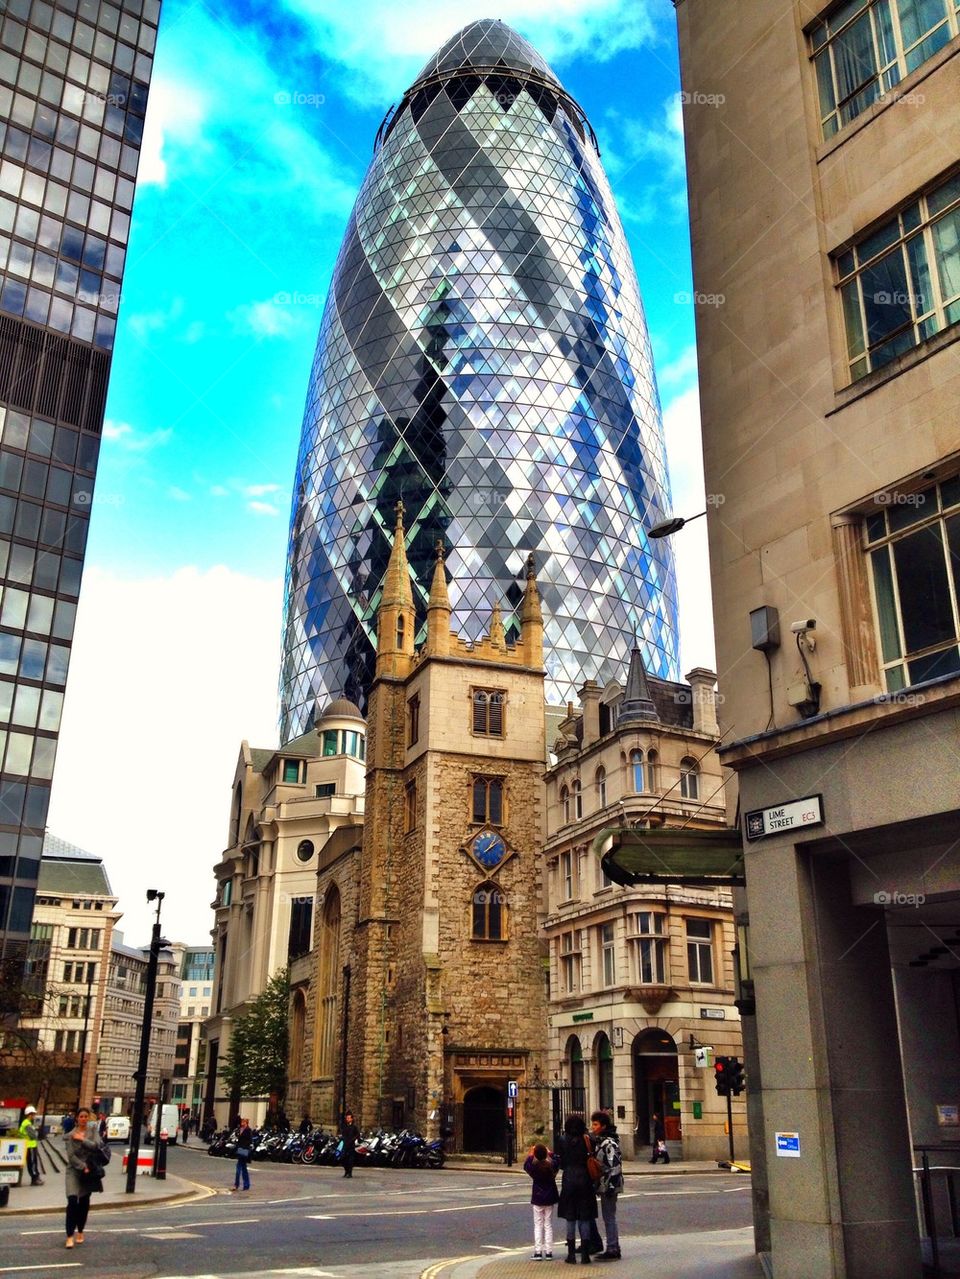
(808, 624)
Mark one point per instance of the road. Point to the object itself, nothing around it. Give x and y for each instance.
(384, 1222)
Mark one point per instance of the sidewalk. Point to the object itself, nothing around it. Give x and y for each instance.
(631, 1167)
(51, 1196)
(708, 1254)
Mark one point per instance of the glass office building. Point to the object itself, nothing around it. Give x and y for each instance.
(483, 355)
(73, 90)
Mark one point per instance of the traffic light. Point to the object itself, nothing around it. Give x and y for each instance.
(723, 1075)
(737, 1083)
(728, 1076)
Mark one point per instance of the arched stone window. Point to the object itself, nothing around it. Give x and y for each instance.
(577, 800)
(564, 804)
(401, 626)
(328, 985)
(636, 770)
(601, 787)
(298, 1021)
(653, 765)
(573, 1060)
(488, 912)
(689, 779)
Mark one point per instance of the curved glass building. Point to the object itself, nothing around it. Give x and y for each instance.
(484, 355)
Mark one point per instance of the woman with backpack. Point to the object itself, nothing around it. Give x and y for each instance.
(86, 1159)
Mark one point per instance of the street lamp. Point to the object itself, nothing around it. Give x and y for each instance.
(156, 943)
(673, 525)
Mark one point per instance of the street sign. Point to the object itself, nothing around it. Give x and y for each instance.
(703, 1057)
(760, 823)
(513, 1088)
(788, 1145)
(13, 1152)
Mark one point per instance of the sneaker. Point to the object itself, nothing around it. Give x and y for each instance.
(548, 1256)
(538, 1256)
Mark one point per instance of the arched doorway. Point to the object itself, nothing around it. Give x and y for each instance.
(484, 1120)
(603, 1053)
(656, 1081)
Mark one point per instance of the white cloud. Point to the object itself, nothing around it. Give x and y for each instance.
(176, 113)
(408, 34)
(681, 424)
(265, 319)
(178, 494)
(217, 490)
(261, 490)
(162, 690)
(134, 441)
(630, 143)
(262, 508)
(677, 374)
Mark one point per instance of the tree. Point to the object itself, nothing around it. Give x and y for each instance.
(255, 1064)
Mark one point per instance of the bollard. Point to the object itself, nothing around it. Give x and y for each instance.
(160, 1156)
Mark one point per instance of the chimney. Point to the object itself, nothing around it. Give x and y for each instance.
(703, 694)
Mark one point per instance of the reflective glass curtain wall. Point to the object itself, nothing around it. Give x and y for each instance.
(483, 355)
(74, 76)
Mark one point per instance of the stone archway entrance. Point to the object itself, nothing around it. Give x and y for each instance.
(656, 1079)
(484, 1120)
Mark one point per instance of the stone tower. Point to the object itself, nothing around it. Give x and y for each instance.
(448, 997)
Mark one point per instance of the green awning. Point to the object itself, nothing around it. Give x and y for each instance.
(671, 855)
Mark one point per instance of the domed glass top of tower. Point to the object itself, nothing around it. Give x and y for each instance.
(484, 356)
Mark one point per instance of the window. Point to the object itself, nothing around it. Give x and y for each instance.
(330, 742)
(901, 284)
(604, 1055)
(401, 629)
(410, 806)
(652, 762)
(488, 712)
(700, 950)
(569, 962)
(577, 800)
(607, 956)
(689, 779)
(488, 913)
(866, 47)
(326, 789)
(353, 744)
(227, 897)
(636, 770)
(301, 927)
(601, 781)
(488, 800)
(649, 946)
(566, 876)
(291, 770)
(304, 853)
(564, 804)
(914, 550)
(413, 719)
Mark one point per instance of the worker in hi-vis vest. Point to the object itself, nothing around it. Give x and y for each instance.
(29, 1132)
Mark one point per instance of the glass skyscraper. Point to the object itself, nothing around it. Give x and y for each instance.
(484, 356)
(74, 76)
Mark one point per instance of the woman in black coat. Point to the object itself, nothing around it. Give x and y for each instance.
(578, 1199)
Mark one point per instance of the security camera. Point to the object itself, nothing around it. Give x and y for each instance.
(808, 624)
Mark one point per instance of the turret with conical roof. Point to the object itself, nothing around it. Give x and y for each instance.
(438, 609)
(637, 706)
(396, 617)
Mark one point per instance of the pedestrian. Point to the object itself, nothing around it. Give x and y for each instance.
(103, 1128)
(659, 1143)
(244, 1150)
(184, 1125)
(304, 1128)
(83, 1172)
(30, 1134)
(349, 1136)
(578, 1199)
(607, 1149)
(68, 1122)
(541, 1166)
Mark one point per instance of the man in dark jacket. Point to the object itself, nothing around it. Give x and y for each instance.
(606, 1143)
(244, 1152)
(349, 1135)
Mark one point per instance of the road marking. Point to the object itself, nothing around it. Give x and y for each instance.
(57, 1265)
(174, 1234)
(433, 1272)
(407, 1212)
(497, 1247)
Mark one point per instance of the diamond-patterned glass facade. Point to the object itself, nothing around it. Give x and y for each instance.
(484, 355)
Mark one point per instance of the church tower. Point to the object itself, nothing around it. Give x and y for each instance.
(448, 1000)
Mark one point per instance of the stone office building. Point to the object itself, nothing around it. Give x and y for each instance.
(823, 157)
(639, 976)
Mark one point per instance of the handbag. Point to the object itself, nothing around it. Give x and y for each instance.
(91, 1180)
(594, 1167)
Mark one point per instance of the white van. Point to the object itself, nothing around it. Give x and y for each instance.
(118, 1128)
(170, 1121)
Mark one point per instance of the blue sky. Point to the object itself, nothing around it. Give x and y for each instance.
(260, 128)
